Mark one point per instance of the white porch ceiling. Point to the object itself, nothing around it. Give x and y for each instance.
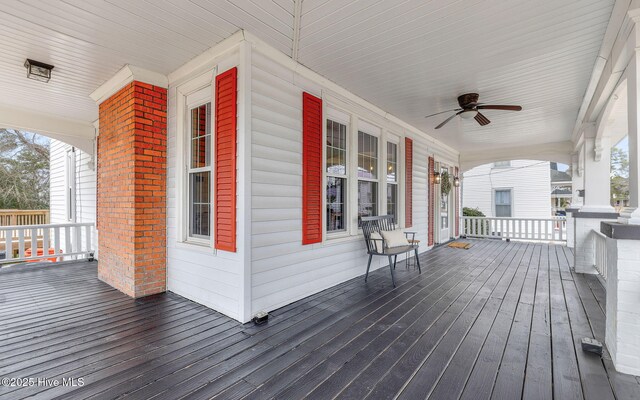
(409, 57)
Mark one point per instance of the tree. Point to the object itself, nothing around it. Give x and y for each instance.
(24, 170)
(619, 175)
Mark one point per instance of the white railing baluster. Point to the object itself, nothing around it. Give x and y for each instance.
(543, 229)
(67, 240)
(45, 240)
(34, 242)
(21, 243)
(56, 240)
(78, 246)
(88, 232)
(600, 257)
(37, 239)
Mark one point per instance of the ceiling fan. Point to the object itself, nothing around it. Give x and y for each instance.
(469, 108)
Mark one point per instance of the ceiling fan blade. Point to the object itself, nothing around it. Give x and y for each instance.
(448, 119)
(442, 112)
(499, 107)
(481, 119)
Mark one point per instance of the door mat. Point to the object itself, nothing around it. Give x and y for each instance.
(460, 245)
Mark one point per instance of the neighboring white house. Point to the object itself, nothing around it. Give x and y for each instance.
(561, 188)
(72, 186)
(518, 188)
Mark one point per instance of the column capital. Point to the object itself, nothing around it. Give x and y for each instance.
(126, 75)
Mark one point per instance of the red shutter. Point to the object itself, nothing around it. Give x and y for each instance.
(457, 206)
(432, 201)
(408, 195)
(225, 160)
(311, 169)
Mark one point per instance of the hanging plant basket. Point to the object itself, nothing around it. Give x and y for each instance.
(445, 184)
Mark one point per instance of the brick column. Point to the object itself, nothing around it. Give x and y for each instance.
(131, 195)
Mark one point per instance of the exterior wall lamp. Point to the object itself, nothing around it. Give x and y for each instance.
(38, 71)
(436, 177)
(456, 181)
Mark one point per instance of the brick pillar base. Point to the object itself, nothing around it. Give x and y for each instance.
(131, 199)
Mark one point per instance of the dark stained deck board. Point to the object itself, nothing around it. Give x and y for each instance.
(538, 383)
(467, 332)
(501, 320)
(282, 342)
(478, 377)
(317, 365)
(511, 370)
(566, 375)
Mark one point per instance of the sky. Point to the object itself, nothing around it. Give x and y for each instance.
(623, 144)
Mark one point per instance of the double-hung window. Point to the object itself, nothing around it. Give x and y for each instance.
(367, 175)
(336, 164)
(503, 202)
(392, 180)
(199, 171)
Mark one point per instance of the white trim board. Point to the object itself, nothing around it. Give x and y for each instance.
(126, 75)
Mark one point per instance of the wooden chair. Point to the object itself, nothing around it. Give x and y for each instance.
(384, 223)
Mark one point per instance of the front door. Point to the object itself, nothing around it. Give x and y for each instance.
(444, 208)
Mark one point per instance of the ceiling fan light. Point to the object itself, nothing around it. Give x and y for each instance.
(469, 114)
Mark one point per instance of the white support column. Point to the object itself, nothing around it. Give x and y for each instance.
(631, 214)
(577, 179)
(597, 207)
(597, 175)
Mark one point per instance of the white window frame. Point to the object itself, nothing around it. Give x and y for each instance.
(375, 131)
(202, 97)
(344, 176)
(493, 200)
(205, 81)
(70, 185)
(393, 139)
(336, 115)
(354, 124)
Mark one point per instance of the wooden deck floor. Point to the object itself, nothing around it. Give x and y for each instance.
(501, 320)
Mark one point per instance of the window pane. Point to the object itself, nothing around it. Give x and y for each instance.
(392, 201)
(392, 162)
(367, 199)
(503, 211)
(201, 136)
(336, 198)
(503, 203)
(199, 204)
(336, 148)
(503, 197)
(367, 156)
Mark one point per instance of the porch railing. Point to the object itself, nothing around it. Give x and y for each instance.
(536, 229)
(52, 242)
(600, 253)
(23, 217)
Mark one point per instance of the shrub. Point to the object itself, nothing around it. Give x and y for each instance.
(482, 227)
(472, 212)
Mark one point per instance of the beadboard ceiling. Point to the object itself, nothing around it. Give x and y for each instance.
(408, 57)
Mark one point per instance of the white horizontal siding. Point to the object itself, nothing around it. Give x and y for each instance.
(57, 198)
(283, 270)
(529, 180)
(199, 273)
(85, 176)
